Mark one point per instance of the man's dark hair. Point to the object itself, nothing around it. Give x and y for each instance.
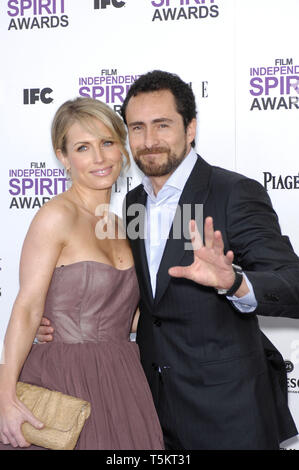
(158, 80)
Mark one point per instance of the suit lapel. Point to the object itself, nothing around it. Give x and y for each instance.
(194, 192)
(138, 245)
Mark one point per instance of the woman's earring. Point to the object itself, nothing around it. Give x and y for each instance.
(68, 178)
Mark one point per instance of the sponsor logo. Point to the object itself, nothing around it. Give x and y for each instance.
(32, 95)
(102, 4)
(109, 86)
(36, 14)
(280, 181)
(127, 185)
(293, 385)
(276, 87)
(31, 187)
(289, 366)
(293, 382)
(174, 10)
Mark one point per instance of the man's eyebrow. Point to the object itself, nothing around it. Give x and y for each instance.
(162, 120)
(154, 121)
(135, 123)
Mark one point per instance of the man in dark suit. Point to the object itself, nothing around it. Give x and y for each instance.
(217, 381)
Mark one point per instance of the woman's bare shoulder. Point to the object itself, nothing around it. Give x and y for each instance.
(56, 215)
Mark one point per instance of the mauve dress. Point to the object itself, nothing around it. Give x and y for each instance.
(91, 306)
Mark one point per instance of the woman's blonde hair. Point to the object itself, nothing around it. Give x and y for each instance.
(83, 110)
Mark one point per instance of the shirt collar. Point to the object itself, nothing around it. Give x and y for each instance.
(178, 178)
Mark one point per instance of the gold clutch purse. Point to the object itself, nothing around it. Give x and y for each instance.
(63, 417)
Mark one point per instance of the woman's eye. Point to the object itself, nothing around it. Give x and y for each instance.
(82, 148)
(107, 143)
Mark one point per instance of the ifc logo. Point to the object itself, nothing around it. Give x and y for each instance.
(101, 4)
(32, 95)
(289, 366)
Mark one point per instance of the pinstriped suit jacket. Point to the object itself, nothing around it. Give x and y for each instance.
(217, 381)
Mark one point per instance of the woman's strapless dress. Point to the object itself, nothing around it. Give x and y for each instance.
(91, 306)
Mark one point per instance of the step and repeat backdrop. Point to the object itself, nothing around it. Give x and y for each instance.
(241, 58)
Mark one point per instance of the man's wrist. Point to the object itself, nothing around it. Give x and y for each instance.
(236, 284)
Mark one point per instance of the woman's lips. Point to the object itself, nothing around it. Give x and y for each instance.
(102, 172)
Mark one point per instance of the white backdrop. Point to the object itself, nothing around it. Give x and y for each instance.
(242, 59)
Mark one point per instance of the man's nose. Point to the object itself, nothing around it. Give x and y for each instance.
(150, 138)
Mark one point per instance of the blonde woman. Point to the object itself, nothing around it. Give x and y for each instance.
(86, 285)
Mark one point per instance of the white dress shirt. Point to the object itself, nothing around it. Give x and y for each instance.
(160, 211)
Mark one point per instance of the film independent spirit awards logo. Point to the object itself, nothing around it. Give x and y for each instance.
(275, 87)
(31, 187)
(176, 10)
(37, 14)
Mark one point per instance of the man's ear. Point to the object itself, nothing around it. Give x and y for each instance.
(191, 130)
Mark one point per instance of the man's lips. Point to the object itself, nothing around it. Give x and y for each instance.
(151, 153)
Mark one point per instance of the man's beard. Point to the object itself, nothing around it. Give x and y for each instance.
(153, 167)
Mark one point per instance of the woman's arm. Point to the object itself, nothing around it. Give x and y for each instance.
(45, 239)
(135, 321)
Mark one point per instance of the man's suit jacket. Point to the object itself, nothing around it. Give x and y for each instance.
(217, 381)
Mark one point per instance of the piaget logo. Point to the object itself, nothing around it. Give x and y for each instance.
(280, 181)
(170, 10)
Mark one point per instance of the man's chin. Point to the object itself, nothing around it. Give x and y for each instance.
(151, 167)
